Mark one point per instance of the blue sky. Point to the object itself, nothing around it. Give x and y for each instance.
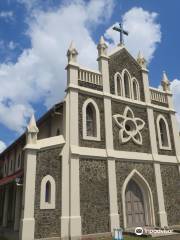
(35, 35)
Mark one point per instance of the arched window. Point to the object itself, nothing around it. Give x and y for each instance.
(19, 161)
(118, 84)
(127, 83)
(135, 88)
(163, 133)
(48, 193)
(91, 120)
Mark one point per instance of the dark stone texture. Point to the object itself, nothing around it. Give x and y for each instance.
(90, 85)
(168, 118)
(88, 143)
(171, 189)
(118, 108)
(94, 200)
(123, 169)
(47, 221)
(121, 60)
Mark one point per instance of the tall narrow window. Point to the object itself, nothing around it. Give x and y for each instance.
(91, 120)
(136, 92)
(48, 192)
(163, 133)
(118, 85)
(127, 85)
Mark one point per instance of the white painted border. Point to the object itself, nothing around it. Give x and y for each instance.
(160, 116)
(43, 204)
(129, 82)
(137, 89)
(117, 74)
(147, 195)
(85, 104)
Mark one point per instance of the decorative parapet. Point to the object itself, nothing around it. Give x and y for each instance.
(90, 76)
(158, 96)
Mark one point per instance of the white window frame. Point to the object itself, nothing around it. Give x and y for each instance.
(159, 133)
(19, 153)
(11, 163)
(85, 136)
(137, 89)
(129, 82)
(117, 74)
(43, 203)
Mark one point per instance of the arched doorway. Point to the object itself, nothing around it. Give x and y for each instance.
(137, 201)
(135, 212)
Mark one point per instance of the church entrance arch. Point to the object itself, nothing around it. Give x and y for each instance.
(137, 200)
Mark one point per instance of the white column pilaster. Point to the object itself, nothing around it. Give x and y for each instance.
(153, 141)
(75, 218)
(160, 195)
(17, 209)
(5, 209)
(27, 225)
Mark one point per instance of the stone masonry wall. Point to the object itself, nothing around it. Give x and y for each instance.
(171, 189)
(47, 221)
(100, 103)
(118, 108)
(123, 60)
(123, 169)
(94, 202)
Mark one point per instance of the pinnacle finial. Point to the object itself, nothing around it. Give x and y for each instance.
(141, 60)
(165, 82)
(102, 47)
(32, 131)
(72, 53)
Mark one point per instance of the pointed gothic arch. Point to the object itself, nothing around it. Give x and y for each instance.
(91, 120)
(48, 193)
(126, 76)
(163, 133)
(118, 84)
(135, 89)
(146, 194)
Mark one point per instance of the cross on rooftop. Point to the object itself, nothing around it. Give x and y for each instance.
(121, 31)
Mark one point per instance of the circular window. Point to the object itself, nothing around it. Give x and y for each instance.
(130, 126)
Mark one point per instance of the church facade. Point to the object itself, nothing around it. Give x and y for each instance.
(108, 156)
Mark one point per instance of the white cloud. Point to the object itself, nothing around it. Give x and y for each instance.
(2, 146)
(6, 15)
(144, 32)
(175, 87)
(39, 74)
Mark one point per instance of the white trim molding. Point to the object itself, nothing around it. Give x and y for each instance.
(147, 197)
(159, 118)
(85, 136)
(51, 203)
(137, 89)
(121, 84)
(125, 71)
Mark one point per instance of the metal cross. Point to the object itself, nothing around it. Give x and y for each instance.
(121, 31)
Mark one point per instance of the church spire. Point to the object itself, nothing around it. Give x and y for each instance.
(72, 53)
(141, 60)
(102, 47)
(165, 83)
(32, 131)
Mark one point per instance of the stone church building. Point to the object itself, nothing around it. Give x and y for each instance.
(108, 156)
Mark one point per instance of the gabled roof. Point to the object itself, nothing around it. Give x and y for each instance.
(22, 138)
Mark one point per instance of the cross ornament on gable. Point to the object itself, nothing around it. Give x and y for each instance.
(122, 32)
